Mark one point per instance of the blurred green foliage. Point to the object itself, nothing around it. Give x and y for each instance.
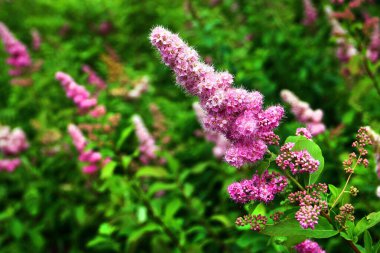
(48, 205)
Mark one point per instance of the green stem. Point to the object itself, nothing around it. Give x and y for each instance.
(287, 174)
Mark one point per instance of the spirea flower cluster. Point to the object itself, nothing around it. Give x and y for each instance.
(94, 78)
(19, 58)
(296, 161)
(310, 13)
(36, 39)
(260, 188)
(12, 143)
(221, 142)
(308, 246)
(148, 146)
(92, 158)
(311, 204)
(303, 113)
(80, 96)
(234, 112)
(346, 213)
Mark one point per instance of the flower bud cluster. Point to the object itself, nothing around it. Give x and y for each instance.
(80, 96)
(19, 58)
(296, 161)
(303, 113)
(256, 222)
(346, 213)
(234, 112)
(311, 204)
(260, 188)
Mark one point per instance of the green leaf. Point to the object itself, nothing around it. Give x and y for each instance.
(106, 229)
(124, 135)
(367, 242)
(222, 219)
(292, 227)
(260, 209)
(156, 172)
(126, 160)
(161, 186)
(138, 234)
(172, 208)
(315, 151)
(16, 228)
(107, 171)
(367, 222)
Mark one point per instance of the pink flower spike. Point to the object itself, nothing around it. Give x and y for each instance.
(77, 137)
(9, 164)
(147, 147)
(19, 58)
(233, 112)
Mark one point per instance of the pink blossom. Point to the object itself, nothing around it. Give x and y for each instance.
(221, 143)
(303, 132)
(307, 216)
(229, 111)
(147, 147)
(260, 188)
(9, 164)
(345, 48)
(19, 58)
(304, 114)
(98, 111)
(308, 246)
(36, 39)
(310, 13)
(12, 142)
(77, 137)
(93, 77)
(92, 158)
(80, 96)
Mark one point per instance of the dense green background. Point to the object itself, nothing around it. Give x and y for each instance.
(48, 205)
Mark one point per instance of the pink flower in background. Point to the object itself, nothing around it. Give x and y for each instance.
(234, 112)
(77, 137)
(93, 77)
(19, 58)
(92, 158)
(148, 146)
(80, 96)
(221, 142)
(9, 165)
(12, 142)
(337, 1)
(36, 39)
(373, 52)
(308, 246)
(310, 13)
(260, 188)
(105, 28)
(304, 114)
(345, 48)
